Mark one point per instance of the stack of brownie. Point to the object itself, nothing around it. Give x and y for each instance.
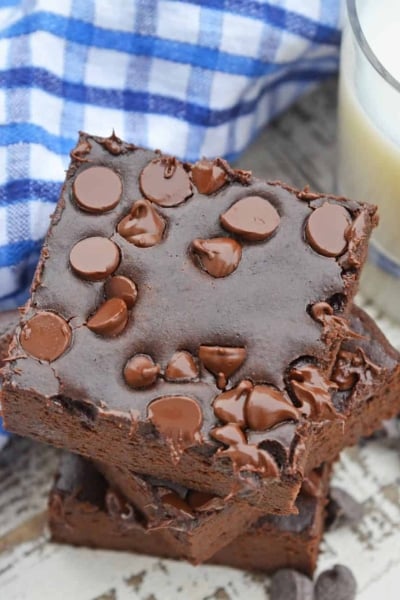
(191, 337)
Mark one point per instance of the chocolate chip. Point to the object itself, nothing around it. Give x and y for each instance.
(81, 150)
(229, 406)
(181, 367)
(46, 336)
(122, 287)
(97, 189)
(113, 144)
(336, 584)
(326, 229)
(222, 361)
(94, 258)
(141, 371)
(218, 256)
(244, 456)
(343, 509)
(266, 407)
(110, 319)
(208, 177)
(288, 584)
(143, 227)
(314, 391)
(177, 418)
(253, 218)
(165, 182)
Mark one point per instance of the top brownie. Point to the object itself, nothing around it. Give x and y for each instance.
(162, 285)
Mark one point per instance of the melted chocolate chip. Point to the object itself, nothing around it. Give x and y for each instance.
(113, 144)
(177, 418)
(181, 367)
(229, 406)
(218, 256)
(110, 319)
(46, 336)
(244, 456)
(94, 258)
(222, 361)
(313, 390)
(351, 367)
(165, 182)
(143, 227)
(97, 189)
(334, 326)
(208, 177)
(171, 499)
(266, 407)
(141, 371)
(326, 229)
(253, 218)
(122, 287)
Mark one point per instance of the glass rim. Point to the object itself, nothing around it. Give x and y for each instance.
(366, 48)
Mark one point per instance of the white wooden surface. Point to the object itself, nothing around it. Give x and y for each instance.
(300, 148)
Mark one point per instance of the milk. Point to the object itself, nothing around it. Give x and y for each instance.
(369, 142)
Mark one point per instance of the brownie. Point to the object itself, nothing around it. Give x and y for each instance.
(185, 319)
(85, 511)
(367, 375)
(200, 523)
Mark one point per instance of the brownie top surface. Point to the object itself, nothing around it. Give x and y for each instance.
(150, 290)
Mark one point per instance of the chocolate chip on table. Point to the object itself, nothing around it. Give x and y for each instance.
(326, 229)
(143, 227)
(165, 182)
(110, 319)
(181, 367)
(208, 177)
(122, 287)
(219, 257)
(97, 189)
(253, 218)
(288, 584)
(222, 361)
(343, 508)
(94, 258)
(46, 336)
(141, 371)
(337, 583)
(177, 418)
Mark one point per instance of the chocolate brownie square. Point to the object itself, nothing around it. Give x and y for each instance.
(185, 319)
(85, 511)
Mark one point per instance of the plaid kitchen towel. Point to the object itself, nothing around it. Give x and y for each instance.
(194, 78)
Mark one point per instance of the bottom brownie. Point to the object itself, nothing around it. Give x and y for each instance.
(85, 511)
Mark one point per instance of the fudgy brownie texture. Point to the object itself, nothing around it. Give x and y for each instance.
(185, 319)
(85, 511)
(367, 375)
(200, 523)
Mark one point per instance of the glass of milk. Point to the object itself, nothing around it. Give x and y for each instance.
(369, 137)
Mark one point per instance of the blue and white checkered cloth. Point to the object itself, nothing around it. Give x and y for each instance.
(194, 78)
